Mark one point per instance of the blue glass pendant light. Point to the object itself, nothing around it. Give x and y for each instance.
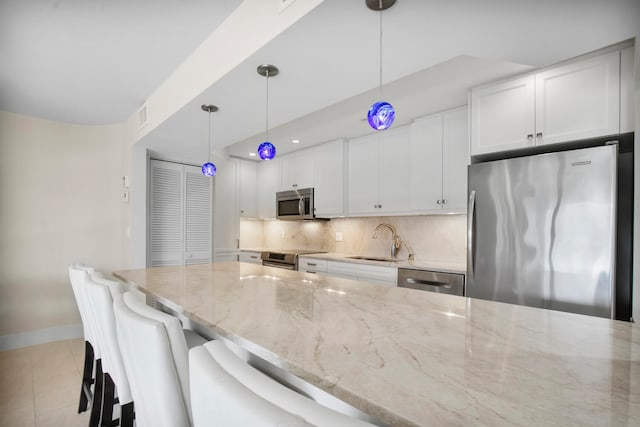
(209, 169)
(266, 150)
(381, 114)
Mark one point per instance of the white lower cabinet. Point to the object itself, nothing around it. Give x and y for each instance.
(250, 256)
(369, 273)
(312, 265)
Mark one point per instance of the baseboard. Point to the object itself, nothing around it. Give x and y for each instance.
(40, 336)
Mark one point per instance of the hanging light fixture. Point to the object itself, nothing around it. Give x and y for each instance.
(267, 150)
(381, 114)
(209, 169)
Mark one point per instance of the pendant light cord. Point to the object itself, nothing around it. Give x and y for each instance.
(380, 51)
(267, 106)
(209, 154)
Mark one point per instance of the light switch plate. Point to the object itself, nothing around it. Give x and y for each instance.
(338, 236)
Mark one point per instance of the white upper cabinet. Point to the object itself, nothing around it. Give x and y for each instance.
(380, 173)
(455, 159)
(395, 170)
(296, 170)
(248, 189)
(363, 174)
(267, 186)
(503, 116)
(439, 162)
(329, 179)
(576, 100)
(627, 109)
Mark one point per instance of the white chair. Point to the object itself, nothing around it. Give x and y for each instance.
(219, 399)
(155, 355)
(261, 385)
(92, 370)
(99, 292)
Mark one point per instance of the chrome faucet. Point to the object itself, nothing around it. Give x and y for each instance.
(395, 239)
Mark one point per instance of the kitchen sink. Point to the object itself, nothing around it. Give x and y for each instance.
(374, 258)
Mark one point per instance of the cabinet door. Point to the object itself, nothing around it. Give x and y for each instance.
(166, 214)
(287, 171)
(627, 65)
(455, 159)
(247, 189)
(426, 163)
(503, 116)
(251, 257)
(267, 186)
(304, 165)
(296, 170)
(329, 179)
(578, 100)
(363, 175)
(395, 170)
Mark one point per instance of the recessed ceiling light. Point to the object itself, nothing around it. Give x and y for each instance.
(252, 154)
(296, 141)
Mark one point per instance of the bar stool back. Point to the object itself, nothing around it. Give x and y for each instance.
(151, 366)
(92, 370)
(99, 295)
(220, 400)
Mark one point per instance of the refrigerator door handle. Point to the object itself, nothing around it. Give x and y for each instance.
(470, 235)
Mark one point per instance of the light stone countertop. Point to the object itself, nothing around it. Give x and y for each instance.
(412, 358)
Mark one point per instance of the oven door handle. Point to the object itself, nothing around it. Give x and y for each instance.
(278, 265)
(301, 206)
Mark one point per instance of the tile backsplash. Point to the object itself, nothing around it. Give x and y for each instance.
(431, 237)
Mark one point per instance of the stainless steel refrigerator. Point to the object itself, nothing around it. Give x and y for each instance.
(542, 231)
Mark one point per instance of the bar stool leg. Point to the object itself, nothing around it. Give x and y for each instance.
(108, 400)
(87, 380)
(96, 407)
(127, 415)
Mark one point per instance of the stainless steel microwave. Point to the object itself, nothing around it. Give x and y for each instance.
(295, 204)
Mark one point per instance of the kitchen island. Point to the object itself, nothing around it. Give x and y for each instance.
(415, 358)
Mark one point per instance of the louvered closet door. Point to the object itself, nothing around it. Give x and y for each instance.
(198, 216)
(180, 215)
(166, 238)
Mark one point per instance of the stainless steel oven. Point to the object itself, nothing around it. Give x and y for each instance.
(287, 259)
(295, 204)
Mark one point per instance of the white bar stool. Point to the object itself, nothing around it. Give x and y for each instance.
(92, 370)
(206, 362)
(99, 291)
(155, 356)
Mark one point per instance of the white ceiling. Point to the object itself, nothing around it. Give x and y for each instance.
(433, 51)
(95, 62)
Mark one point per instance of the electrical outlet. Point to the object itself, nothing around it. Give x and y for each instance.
(338, 236)
(282, 234)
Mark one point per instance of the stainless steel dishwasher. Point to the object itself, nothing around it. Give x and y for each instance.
(433, 281)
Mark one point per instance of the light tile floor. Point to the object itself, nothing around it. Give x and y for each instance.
(40, 385)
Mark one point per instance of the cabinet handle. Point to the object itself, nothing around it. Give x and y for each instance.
(539, 135)
(254, 256)
(438, 201)
(444, 201)
(294, 185)
(241, 211)
(313, 264)
(530, 137)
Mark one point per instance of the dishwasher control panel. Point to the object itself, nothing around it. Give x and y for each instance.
(432, 281)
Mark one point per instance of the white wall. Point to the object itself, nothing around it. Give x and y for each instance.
(60, 201)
